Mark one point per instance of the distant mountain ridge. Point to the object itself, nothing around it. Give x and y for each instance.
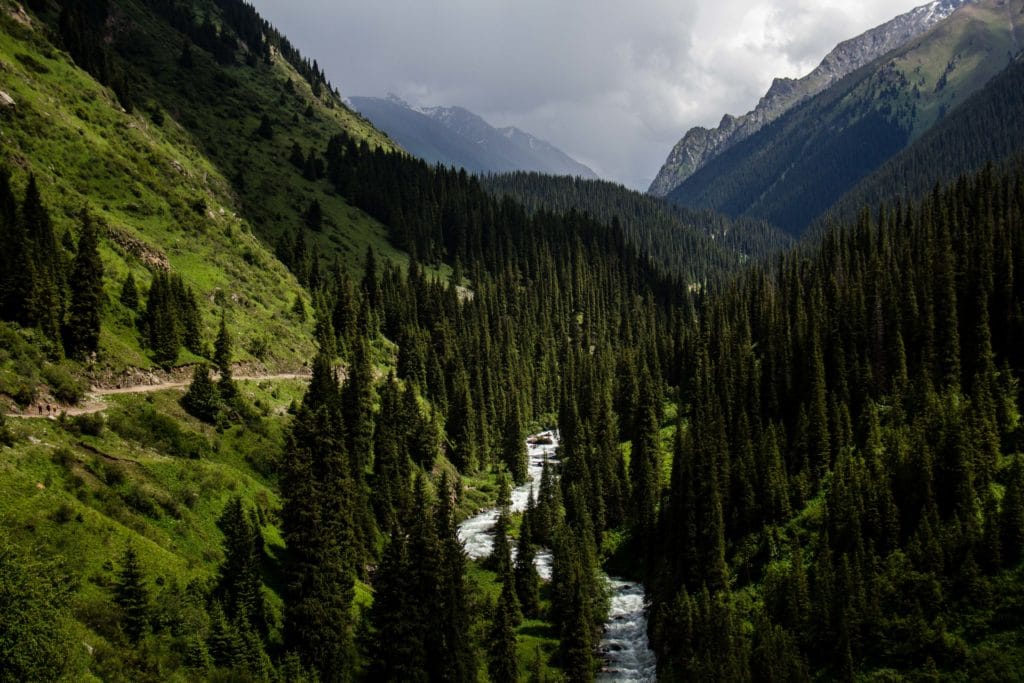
(456, 136)
(795, 168)
(701, 145)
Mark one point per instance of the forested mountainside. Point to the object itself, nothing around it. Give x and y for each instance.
(984, 129)
(455, 136)
(794, 169)
(813, 467)
(696, 245)
(700, 145)
(847, 473)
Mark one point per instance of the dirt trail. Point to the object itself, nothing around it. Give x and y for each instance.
(94, 403)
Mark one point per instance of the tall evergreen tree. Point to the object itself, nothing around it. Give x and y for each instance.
(318, 507)
(222, 359)
(82, 332)
(239, 585)
(130, 293)
(46, 299)
(131, 595)
(502, 662)
(201, 400)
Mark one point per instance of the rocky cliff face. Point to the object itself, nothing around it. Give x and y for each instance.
(700, 145)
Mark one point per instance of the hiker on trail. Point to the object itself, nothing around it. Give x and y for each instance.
(47, 408)
(40, 408)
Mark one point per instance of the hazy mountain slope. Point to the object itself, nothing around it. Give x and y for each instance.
(700, 145)
(455, 136)
(795, 168)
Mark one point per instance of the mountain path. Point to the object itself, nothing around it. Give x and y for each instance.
(94, 403)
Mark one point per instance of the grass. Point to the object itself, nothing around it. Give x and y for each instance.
(83, 497)
(197, 190)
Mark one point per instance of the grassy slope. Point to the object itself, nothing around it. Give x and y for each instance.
(969, 51)
(221, 106)
(82, 498)
(146, 182)
(198, 188)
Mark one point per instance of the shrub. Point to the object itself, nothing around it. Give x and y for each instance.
(90, 424)
(63, 514)
(142, 423)
(64, 387)
(63, 456)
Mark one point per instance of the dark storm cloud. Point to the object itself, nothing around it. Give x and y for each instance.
(614, 84)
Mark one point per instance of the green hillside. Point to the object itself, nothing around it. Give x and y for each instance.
(797, 167)
(179, 179)
(984, 129)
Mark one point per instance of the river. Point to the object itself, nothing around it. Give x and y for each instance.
(624, 648)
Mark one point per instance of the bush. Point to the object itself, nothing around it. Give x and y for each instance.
(63, 456)
(142, 423)
(6, 438)
(63, 514)
(64, 387)
(90, 424)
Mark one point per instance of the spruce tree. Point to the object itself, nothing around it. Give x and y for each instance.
(17, 269)
(130, 293)
(457, 657)
(513, 450)
(131, 596)
(502, 660)
(239, 585)
(202, 400)
(527, 581)
(1012, 515)
(82, 332)
(318, 528)
(644, 461)
(397, 649)
(222, 359)
(46, 299)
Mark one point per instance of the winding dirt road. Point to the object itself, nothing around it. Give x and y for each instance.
(94, 403)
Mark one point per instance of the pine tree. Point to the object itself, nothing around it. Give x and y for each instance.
(502, 662)
(202, 400)
(513, 450)
(357, 408)
(397, 650)
(46, 299)
(527, 581)
(131, 596)
(239, 585)
(1012, 515)
(130, 293)
(82, 332)
(314, 216)
(644, 461)
(321, 546)
(17, 269)
(266, 128)
(456, 659)
(222, 359)
(164, 331)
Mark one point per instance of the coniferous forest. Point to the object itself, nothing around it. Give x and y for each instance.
(808, 454)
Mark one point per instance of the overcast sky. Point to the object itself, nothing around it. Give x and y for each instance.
(615, 84)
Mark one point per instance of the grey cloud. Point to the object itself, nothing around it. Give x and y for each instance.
(614, 84)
